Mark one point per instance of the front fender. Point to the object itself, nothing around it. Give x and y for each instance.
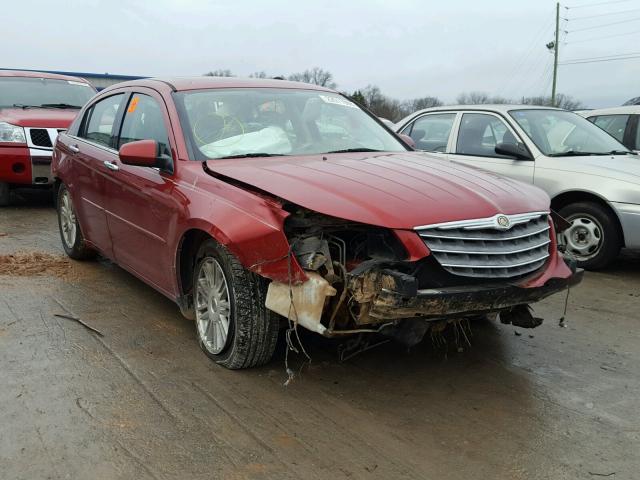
(255, 238)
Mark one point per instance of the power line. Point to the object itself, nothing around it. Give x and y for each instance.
(603, 56)
(573, 19)
(596, 4)
(605, 25)
(519, 65)
(603, 60)
(603, 38)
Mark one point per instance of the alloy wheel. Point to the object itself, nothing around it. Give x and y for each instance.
(67, 219)
(212, 306)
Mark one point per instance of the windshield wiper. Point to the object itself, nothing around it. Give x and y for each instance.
(60, 105)
(574, 153)
(22, 105)
(360, 149)
(251, 155)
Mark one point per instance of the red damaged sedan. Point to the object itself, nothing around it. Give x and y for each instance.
(254, 202)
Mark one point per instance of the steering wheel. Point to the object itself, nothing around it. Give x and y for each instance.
(214, 127)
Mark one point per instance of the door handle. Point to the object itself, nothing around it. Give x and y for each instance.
(74, 148)
(111, 166)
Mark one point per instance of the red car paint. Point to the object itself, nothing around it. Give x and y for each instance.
(22, 163)
(140, 216)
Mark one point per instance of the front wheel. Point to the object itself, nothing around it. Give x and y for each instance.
(233, 326)
(593, 237)
(70, 233)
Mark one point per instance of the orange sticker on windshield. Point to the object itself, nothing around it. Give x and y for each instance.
(133, 105)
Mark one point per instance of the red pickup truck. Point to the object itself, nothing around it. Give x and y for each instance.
(34, 108)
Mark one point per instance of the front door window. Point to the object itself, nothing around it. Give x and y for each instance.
(480, 133)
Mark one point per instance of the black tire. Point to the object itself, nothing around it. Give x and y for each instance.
(610, 240)
(4, 194)
(76, 249)
(253, 329)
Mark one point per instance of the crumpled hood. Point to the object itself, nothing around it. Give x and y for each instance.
(393, 190)
(38, 117)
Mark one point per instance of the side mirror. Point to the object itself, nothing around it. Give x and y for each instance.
(141, 153)
(517, 150)
(407, 139)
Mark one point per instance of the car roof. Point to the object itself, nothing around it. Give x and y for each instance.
(179, 84)
(30, 74)
(500, 108)
(627, 109)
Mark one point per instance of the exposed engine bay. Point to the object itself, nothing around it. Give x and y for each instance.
(359, 280)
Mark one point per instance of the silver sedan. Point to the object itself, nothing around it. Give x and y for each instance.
(592, 179)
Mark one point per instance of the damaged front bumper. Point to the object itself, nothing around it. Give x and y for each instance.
(385, 297)
(453, 302)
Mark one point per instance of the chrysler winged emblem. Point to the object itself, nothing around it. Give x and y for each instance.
(503, 222)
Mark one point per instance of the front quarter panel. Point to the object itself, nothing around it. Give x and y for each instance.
(249, 225)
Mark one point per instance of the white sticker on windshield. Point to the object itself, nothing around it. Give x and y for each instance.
(73, 82)
(338, 101)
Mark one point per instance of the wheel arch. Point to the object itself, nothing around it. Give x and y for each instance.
(260, 250)
(566, 198)
(185, 262)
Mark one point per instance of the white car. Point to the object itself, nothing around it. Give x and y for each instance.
(592, 179)
(387, 122)
(620, 122)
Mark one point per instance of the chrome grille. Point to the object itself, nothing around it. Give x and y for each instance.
(484, 248)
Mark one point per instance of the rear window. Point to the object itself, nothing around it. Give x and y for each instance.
(100, 120)
(37, 92)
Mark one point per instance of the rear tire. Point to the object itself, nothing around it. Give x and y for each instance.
(70, 233)
(593, 238)
(233, 326)
(4, 194)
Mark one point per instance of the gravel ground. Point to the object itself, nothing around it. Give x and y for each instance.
(142, 401)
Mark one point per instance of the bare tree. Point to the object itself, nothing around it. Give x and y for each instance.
(316, 76)
(480, 98)
(219, 73)
(261, 74)
(421, 103)
(390, 108)
(380, 104)
(562, 101)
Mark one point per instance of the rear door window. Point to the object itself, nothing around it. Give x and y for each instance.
(100, 120)
(614, 125)
(144, 120)
(431, 132)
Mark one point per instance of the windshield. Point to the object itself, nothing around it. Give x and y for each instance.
(224, 123)
(35, 92)
(560, 133)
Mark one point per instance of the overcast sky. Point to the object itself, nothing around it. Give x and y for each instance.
(409, 48)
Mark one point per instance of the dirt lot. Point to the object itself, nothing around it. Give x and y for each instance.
(143, 401)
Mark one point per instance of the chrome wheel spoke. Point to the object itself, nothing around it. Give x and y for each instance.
(224, 329)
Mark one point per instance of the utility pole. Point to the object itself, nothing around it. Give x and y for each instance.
(556, 44)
